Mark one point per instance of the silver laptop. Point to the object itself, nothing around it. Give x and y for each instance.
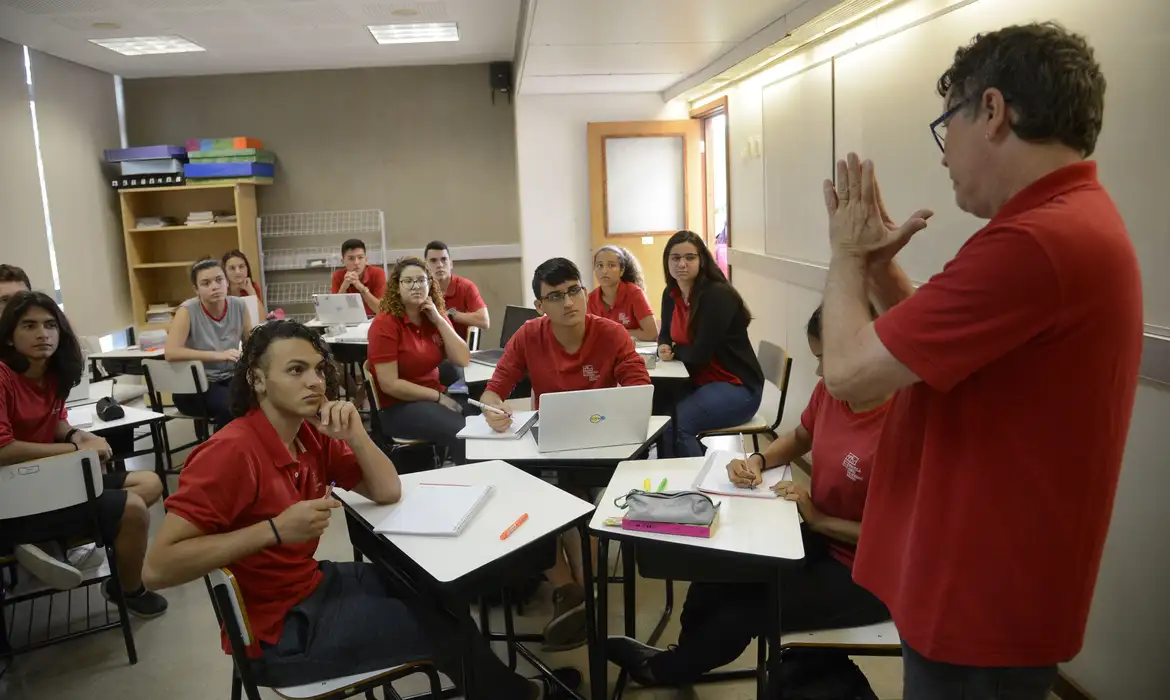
(514, 318)
(576, 420)
(346, 309)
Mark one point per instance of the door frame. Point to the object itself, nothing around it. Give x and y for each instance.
(710, 109)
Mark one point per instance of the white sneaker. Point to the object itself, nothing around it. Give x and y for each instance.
(45, 567)
(86, 557)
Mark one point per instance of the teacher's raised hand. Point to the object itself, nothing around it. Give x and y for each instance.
(858, 222)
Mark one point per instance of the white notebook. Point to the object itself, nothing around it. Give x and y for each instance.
(476, 427)
(82, 416)
(434, 509)
(713, 478)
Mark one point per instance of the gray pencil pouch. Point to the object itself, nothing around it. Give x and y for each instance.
(682, 507)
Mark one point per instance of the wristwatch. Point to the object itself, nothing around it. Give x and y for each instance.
(451, 313)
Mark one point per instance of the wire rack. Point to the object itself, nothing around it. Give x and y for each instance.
(321, 223)
(311, 258)
(295, 292)
(302, 318)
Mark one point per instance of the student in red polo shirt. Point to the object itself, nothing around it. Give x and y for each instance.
(408, 340)
(621, 292)
(719, 620)
(465, 307)
(253, 499)
(358, 276)
(40, 361)
(1021, 356)
(566, 349)
(239, 277)
(704, 324)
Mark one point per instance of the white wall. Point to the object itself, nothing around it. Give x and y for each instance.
(552, 158)
(1129, 623)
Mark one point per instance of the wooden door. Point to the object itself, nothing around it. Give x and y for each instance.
(645, 183)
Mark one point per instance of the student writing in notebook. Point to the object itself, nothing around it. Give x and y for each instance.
(719, 620)
(409, 338)
(359, 276)
(209, 329)
(566, 349)
(40, 361)
(621, 292)
(253, 499)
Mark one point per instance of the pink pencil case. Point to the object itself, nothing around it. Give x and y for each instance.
(670, 528)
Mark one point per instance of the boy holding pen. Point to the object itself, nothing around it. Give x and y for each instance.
(566, 349)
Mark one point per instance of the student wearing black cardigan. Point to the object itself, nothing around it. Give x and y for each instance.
(704, 324)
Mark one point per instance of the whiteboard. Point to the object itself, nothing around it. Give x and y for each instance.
(644, 184)
(798, 155)
(885, 101)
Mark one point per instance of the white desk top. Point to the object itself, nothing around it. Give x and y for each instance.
(525, 449)
(763, 527)
(449, 558)
(478, 373)
(133, 417)
(130, 353)
(353, 335)
(475, 373)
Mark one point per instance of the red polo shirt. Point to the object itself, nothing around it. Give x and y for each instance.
(843, 448)
(679, 333)
(629, 306)
(605, 359)
(418, 350)
(374, 277)
(244, 475)
(29, 412)
(462, 295)
(994, 485)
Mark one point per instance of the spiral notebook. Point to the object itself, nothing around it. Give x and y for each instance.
(442, 510)
(713, 478)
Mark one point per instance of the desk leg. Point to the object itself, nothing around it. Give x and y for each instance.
(509, 627)
(629, 591)
(160, 466)
(773, 635)
(597, 614)
(470, 689)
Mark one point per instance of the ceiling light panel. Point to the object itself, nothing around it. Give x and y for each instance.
(148, 45)
(416, 33)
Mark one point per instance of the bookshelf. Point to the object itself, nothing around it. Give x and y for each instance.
(158, 259)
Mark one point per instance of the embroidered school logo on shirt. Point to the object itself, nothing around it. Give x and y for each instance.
(623, 318)
(437, 339)
(590, 373)
(852, 470)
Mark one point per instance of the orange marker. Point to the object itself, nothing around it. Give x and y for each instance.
(512, 528)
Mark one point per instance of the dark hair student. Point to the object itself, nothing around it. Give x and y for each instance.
(66, 364)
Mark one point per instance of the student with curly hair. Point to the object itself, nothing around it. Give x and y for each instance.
(409, 338)
(621, 292)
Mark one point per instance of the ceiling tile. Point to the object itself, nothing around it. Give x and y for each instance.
(621, 58)
(53, 7)
(402, 12)
(580, 84)
(298, 14)
(629, 21)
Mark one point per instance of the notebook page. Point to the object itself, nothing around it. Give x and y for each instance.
(713, 478)
(434, 510)
(476, 427)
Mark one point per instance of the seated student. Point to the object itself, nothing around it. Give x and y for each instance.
(359, 277)
(465, 307)
(704, 324)
(12, 280)
(566, 349)
(239, 277)
(209, 328)
(40, 361)
(253, 498)
(408, 340)
(621, 292)
(719, 620)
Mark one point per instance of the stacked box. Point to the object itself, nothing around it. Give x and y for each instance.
(228, 170)
(232, 155)
(157, 180)
(231, 142)
(117, 155)
(146, 166)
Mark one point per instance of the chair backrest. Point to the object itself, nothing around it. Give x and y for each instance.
(226, 590)
(372, 386)
(253, 306)
(473, 338)
(777, 367)
(167, 377)
(45, 485)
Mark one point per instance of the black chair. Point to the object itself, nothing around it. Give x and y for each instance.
(390, 443)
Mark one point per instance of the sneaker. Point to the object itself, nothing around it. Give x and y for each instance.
(54, 572)
(547, 690)
(633, 657)
(86, 557)
(145, 604)
(568, 627)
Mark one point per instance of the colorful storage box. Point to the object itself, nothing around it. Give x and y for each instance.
(135, 181)
(228, 170)
(232, 155)
(117, 155)
(151, 166)
(223, 143)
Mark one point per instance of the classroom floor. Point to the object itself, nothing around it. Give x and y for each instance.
(180, 657)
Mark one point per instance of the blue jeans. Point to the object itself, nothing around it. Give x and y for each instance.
(709, 407)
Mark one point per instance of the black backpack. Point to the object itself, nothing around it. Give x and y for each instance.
(819, 675)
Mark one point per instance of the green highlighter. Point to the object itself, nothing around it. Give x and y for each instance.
(661, 485)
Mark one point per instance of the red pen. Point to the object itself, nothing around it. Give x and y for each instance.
(512, 528)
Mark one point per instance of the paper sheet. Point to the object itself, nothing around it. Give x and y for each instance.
(476, 427)
(713, 478)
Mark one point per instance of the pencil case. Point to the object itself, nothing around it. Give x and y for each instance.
(670, 528)
(669, 507)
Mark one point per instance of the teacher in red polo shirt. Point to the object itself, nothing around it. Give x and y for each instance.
(358, 276)
(621, 292)
(1021, 361)
(408, 339)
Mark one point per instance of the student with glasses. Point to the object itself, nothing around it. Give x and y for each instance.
(704, 324)
(566, 349)
(409, 338)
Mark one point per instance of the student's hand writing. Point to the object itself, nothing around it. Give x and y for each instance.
(792, 491)
(231, 355)
(339, 420)
(304, 520)
(745, 473)
(499, 422)
(665, 353)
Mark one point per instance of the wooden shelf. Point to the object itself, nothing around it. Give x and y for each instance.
(195, 186)
(153, 326)
(183, 227)
(158, 265)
